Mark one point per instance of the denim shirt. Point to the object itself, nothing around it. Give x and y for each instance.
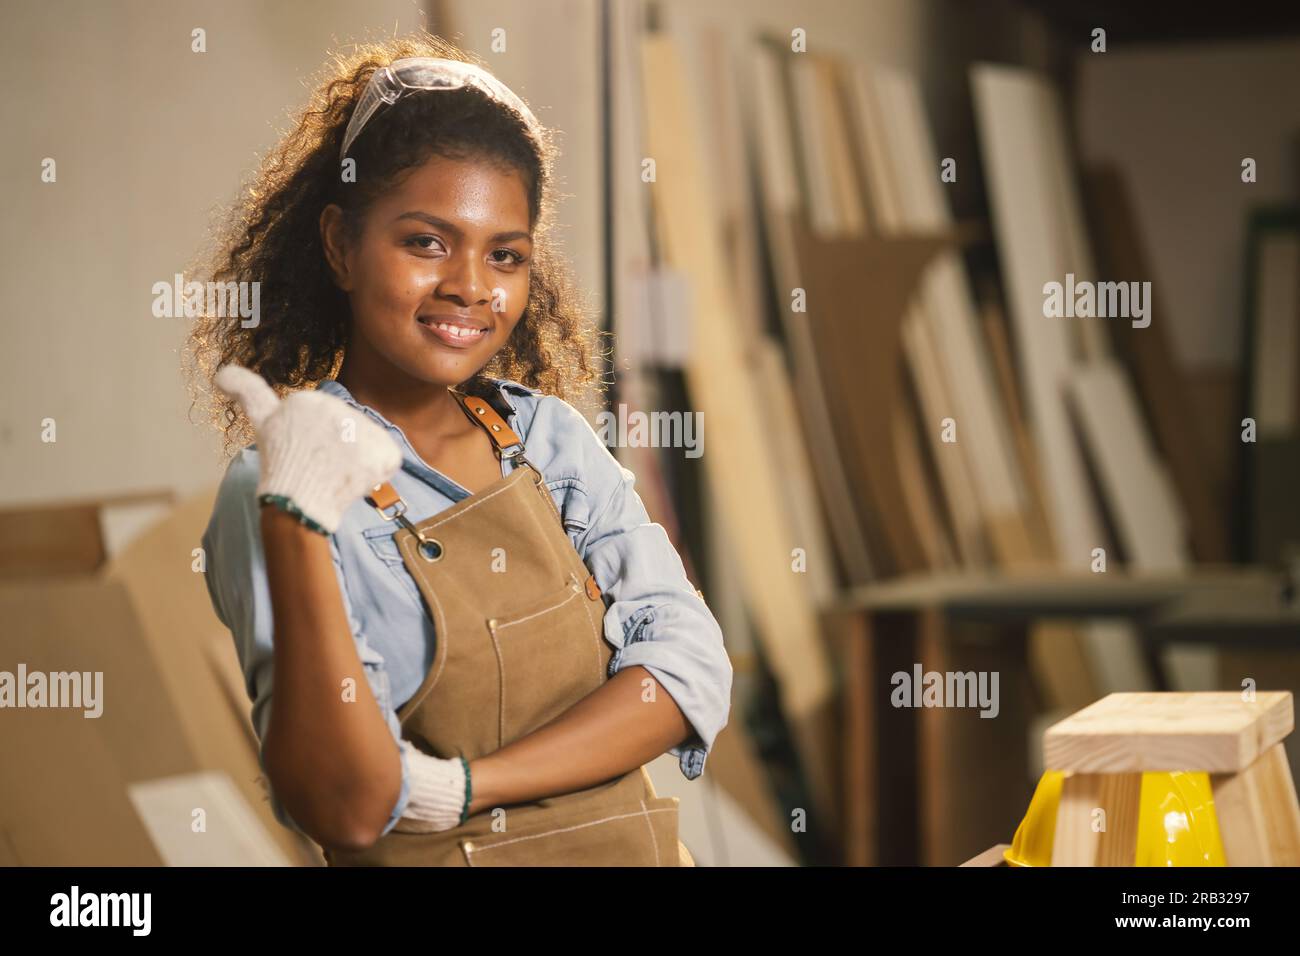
(653, 618)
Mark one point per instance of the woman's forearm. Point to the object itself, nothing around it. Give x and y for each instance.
(331, 758)
(612, 730)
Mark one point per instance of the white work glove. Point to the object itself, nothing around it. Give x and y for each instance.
(439, 796)
(310, 455)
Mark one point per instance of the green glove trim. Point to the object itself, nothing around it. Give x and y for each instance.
(285, 504)
(469, 793)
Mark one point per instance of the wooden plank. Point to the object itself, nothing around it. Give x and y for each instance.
(767, 118)
(937, 404)
(857, 340)
(1065, 210)
(637, 319)
(835, 202)
(910, 168)
(233, 835)
(1277, 335)
(827, 166)
(72, 771)
(1144, 507)
(1008, 104)
(1258, 814)
(738, 769)
(1058, 654)
(1058, 658)
(723, 384)
(860, 809)
(973, 770)
(993, 856)
(1057, 593)
(1163, 387)
(1137, 489)
(730, 177)
(1270, 525)
(887, 185)
(1078, 840)
(808, 523)
(920, 487)
(1214, 732)
(64, 537)
(1040, 547)
(721, 100)
(55, 540)
(1017, 112)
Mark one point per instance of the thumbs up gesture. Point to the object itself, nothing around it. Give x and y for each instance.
(317, 453)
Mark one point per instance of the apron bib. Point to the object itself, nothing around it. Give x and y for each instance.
(520, 639)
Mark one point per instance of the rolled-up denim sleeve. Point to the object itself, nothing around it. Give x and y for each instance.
(654, 617)
(240, 592)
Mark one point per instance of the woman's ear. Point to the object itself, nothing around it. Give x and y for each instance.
(334, 238)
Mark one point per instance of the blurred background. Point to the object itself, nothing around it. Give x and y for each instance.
(825, 231)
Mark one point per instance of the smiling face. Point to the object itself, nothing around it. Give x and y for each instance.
(437, 278)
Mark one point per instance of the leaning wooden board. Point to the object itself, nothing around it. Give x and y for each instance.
(722, 109)
(911, 158)
(858, 345)
(954, 506)
(1164, 387)
(1136, 486)
(1021, 186)
(739, 460)
(767, 118)
(825, 154)
(1012, 107)
(1145, 510)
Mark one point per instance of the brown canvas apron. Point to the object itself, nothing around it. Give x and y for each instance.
(518, 620)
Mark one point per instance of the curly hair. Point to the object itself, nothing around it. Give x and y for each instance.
(271, 236)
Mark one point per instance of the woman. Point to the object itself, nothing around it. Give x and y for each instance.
(433, 514)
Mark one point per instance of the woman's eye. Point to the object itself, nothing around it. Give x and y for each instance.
(424, 242)
(514, 258)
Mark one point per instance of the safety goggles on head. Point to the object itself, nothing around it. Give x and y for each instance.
(389, 83)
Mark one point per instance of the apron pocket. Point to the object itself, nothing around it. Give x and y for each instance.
(641, 833)
(549, 657)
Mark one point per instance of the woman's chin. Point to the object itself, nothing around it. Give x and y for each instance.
(447, 372)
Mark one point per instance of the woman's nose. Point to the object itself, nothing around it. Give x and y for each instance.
(463, 279)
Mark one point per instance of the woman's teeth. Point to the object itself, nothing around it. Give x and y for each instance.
(459, 331)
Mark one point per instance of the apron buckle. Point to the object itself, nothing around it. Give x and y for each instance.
(518, 458)
(430, 549)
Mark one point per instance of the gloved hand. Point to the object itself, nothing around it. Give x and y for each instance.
(440, 793)
(312, 461)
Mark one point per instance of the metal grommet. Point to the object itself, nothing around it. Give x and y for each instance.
(480, 410)
(496, 428)
(430, 549)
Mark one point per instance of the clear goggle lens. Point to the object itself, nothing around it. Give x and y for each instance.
(389, 83)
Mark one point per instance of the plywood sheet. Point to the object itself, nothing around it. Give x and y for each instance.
(1009, 105)
(1146, 512)
(1162, 385)
(984, 486)
(831, 182)
(767, 118)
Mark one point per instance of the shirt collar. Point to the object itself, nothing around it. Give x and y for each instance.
(411, 460)
(504, 387)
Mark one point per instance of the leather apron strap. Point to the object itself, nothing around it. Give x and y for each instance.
(507, 445)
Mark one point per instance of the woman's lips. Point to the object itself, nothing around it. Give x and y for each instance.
(453, 334)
